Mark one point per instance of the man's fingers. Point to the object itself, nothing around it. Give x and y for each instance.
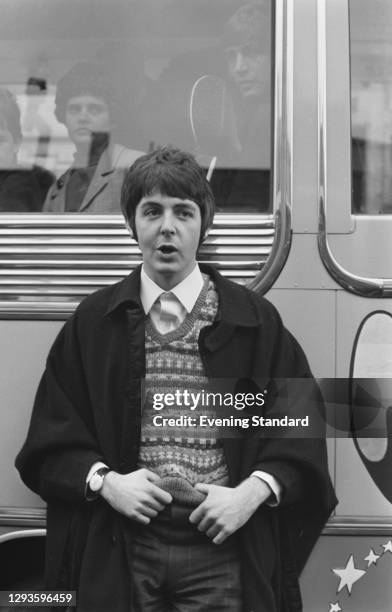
(140, 518)
(213, 531)
(151, 476)
(155, 505)
(220, 538)
(160, 495)
(197, 514)
(149, 512)
(205, 523)
(203, 488)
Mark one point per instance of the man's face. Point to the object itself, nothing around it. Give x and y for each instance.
(168, 232)
(249, 69)
(84, 116)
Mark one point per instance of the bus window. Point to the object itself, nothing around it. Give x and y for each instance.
(87, 87)
(371, 106)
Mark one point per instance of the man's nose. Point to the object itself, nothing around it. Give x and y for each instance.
(83, 114)
(168, 223)
(240, 64)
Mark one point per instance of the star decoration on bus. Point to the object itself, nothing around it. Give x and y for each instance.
(348, 575)
(371, 558)
(387, 547)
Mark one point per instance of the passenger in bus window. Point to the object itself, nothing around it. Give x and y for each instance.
(19, 189)
(247, 48)
(149, 509)
(85, 104)
(246, 43)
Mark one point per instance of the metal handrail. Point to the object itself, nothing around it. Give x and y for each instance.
(283, 147)
(359, 285)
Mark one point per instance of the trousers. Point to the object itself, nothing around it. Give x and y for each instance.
(176, 568)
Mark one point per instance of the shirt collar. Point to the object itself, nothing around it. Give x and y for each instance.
(187, 291)
(237, 305)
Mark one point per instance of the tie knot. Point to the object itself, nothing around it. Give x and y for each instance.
(168, 301)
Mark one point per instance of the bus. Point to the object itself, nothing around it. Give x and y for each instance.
(290, 112)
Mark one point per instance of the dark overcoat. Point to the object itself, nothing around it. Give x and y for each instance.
(88, 408)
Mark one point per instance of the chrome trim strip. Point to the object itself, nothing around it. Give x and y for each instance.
(28, 517)
(334, 527)
(283, 146)
(359, 285)
(48, 264)
(102, 223)
(26, 533)
(355, 526)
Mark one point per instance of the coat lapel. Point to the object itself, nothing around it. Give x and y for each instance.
(57, 193)
(99, 181)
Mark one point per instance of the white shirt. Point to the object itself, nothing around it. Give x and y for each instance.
(186, 292)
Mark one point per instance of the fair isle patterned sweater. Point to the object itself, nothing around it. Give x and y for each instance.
(181, 455)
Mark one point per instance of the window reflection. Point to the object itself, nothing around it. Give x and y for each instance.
(85, 103)
(99, 83)
(22, 188)
(371, 105)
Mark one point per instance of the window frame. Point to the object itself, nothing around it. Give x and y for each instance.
(247, 247)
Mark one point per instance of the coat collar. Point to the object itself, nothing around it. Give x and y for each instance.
(106, 165)
(100, 179)
(237, 305)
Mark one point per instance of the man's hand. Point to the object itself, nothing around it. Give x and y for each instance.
(225, 510)
(135, 495)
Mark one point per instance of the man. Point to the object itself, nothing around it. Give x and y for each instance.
(86, 105)
(143, 517)
(246, 46)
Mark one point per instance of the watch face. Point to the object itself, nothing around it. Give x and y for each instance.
(96, 482)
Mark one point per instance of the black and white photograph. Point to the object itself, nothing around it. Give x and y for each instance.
(196, 305)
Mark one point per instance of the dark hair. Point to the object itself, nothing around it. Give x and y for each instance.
(10, 114)
(173, 173)
(250, 23)
(84, 78)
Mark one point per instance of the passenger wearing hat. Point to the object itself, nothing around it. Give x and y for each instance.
(86, 106)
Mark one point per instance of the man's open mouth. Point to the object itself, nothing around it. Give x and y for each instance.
(167, 249)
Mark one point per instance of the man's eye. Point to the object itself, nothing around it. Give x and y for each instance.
(185, 212)
(230, 54)
(151, 212)
(73, 109)
(251, 49)
(95, 109)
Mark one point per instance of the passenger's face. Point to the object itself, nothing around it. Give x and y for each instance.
(168, 232)
(85, 116)
(249, 70)
(8, 148)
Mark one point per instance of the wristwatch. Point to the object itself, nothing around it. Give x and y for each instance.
(96, 481)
